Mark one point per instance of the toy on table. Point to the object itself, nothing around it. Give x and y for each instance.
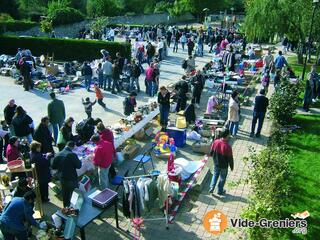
(164, 144)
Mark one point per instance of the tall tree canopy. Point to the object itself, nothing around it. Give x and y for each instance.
(266, 18)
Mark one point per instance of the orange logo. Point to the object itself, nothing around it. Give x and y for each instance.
(215, 222)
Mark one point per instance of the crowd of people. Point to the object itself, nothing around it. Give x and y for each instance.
(50, 144)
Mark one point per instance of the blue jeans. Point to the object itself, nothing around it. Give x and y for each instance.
(149, 59)
(233, 127)
(134, 80)
(164, 114)
(100, 82)
(56, 127)
(257, 116)
(103, 174)
(219, 172)
(87, 81)
(107, 78)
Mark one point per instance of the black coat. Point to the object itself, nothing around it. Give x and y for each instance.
(21, 125)
(42, 166)
(66, 162)
(8, 113)
(128, 106)
(43, 136)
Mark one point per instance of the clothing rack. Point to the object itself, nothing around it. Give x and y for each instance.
(145, 175)
(166, 209)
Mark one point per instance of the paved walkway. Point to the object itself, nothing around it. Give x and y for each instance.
(188, 223)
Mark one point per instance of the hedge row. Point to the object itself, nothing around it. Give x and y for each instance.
(12, 26)
(63, 49)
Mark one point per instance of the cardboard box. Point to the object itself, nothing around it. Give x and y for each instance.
(130, 151)
(140, 135)
(52, 69)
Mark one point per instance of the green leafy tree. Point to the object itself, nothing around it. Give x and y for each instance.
(268, 18)
(99, 8)
(10, 7)
(28, 8)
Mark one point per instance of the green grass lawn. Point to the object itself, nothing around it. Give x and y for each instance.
(305, 146)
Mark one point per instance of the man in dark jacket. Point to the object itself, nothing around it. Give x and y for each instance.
(135, 73)
(56, 114)
(25, 70)
(43, 136)
(151, 51)
(87, 73)
(8, 113)
(182, 89)
(222, 159)
(259, 112)
(130, 103)
(198, 83)
(66, 162)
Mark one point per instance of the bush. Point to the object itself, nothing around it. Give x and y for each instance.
(15, 25)
(65, 15)
(46, 26)
(284, 102)
(63, 49)
(270, 180)
(5, 17)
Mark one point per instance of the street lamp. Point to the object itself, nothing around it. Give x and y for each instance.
(205, 10)
(232, 9)
(315, 4)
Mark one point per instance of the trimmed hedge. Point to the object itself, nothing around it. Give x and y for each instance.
(63, 49)
(12, 26)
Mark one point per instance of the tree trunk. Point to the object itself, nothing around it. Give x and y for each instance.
(300, 53)
(318, 55)
(300, 58)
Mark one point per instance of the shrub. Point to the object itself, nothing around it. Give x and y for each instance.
(5, 17)
(63, 49)
(46, 26)
(65, 15)
(15, 25)
(270, 180)
(284, 102)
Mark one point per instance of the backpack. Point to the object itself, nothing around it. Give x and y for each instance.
(184, 64)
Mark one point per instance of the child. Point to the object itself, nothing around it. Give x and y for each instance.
(88, 106)
(99, 72)
(99, 96)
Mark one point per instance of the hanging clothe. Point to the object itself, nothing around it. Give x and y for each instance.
(164, 190)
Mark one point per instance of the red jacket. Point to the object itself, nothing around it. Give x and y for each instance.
(12, 153)
(107, 135)
(103, 154)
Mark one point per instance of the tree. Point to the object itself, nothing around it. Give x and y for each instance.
(29, 7)
(10, 7)
(100, 8)
(267, 18)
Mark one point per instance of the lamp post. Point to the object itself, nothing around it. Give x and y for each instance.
(315, 4)
(232, 9)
